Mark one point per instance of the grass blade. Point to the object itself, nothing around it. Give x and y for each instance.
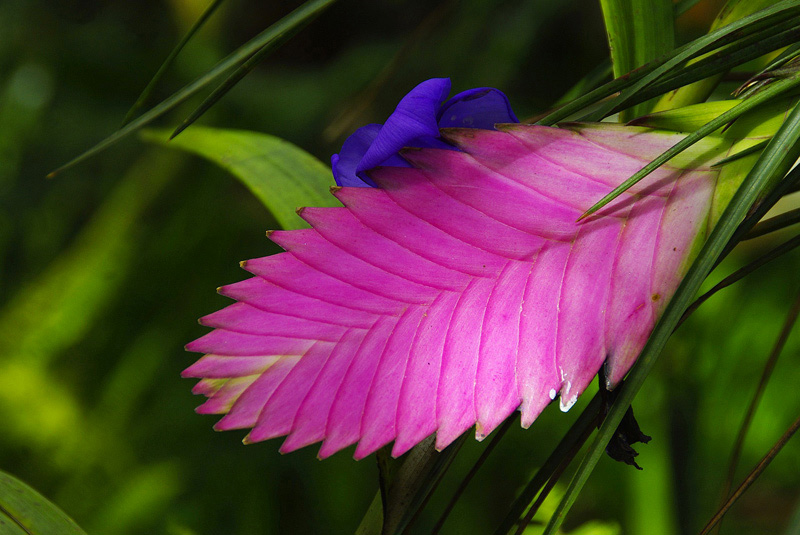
(782, 149)
(741, 273)
(716, 39)
(786, 219)
(700, 90)
(752, 476)
(769, 366)
(635, 80)
(301, 15)
(243, 70)
(719, 62)
(575, 437)
(501, 432)
(638, 31)
(758, 147)
(721, 120)
(416, 480)
(785, 186)
(148, 90)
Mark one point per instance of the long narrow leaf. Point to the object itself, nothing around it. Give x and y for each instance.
(752, 476)
(237, 76)
(776, 89)
(742, 28)
(769, 366)
(778, 222)
(23, 511)
(634, 81)
(148, 90)
(738, 53)
(742, 272)
(301, 15)
(773, 161)
(702, 89)
(638, 31)
(576, 435)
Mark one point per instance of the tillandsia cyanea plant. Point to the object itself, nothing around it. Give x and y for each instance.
(461, 287)
(477, 265)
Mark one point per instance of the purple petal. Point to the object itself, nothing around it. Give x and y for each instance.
(482, 107)
(415, 117)
(345, 163)
(457, 291)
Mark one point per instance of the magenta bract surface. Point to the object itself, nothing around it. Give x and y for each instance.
(459, 291)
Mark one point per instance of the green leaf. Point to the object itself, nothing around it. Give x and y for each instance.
(148, 90)
(774, 90)
(406, 488)
(282, 176)
(414, 481)
(566, 449)
(632, 83)
(722, 60)
(23, 511)
(776, 160)
(243, 70)
(300, 16)
(686, 119)
(701, 90)
(638, 31)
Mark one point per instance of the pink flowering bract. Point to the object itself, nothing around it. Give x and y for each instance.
(459, 290)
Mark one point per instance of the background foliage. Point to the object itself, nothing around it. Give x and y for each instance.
(105, 268)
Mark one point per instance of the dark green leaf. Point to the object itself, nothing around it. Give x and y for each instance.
(407, 488)
(633, 82)
(148, 90)
(758, 147)
(786, 219)
(23, 511)
(300, 16)
(576, 436)
(243, 70)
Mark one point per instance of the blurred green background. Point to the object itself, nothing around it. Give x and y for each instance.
(105, 268)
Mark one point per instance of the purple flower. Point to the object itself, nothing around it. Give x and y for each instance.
(415, 123)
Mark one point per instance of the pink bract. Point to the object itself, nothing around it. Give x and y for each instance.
(459, 291)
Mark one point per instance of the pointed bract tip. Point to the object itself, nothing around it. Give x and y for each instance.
(566, 405)
(299, 210)
(270, 233)
(404, 151)
(51, 174)
(242, 264)
(507, 127)
(455, 134)
(334, 189)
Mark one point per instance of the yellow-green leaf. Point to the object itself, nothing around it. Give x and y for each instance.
(283, 176)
